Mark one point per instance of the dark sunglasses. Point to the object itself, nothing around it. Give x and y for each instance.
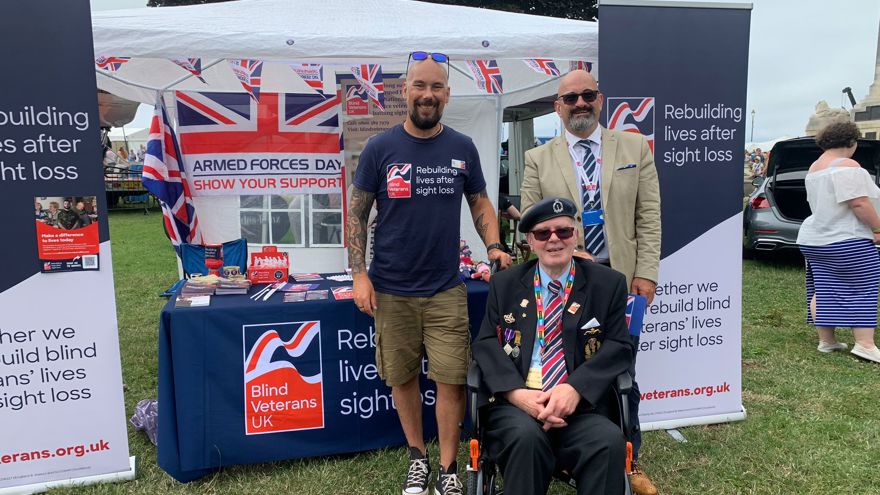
(562, 234)
(440, 58)
(589, 96)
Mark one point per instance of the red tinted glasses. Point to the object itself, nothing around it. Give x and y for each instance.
(562, 234)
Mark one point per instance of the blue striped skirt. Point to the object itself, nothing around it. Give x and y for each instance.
(844, 278)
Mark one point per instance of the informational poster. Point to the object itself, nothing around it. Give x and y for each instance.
(287, 143)
(67, 236)
(362, 119)
(62, 414)
(677, 74)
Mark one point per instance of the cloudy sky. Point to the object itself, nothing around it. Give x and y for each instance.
(801, 51)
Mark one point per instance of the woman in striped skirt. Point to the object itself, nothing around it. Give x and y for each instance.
(838, 242)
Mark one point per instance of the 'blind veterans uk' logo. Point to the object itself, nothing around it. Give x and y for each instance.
(283, 381)
(632, 115)
(399, 180)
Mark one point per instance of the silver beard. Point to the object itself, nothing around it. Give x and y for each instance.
(582, 122)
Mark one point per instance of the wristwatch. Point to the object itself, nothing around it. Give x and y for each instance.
(495, 245)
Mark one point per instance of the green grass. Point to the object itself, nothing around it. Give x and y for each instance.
(813, 423)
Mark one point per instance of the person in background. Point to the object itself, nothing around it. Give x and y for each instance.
(122, 157)
(40, 214)
(84, 219)
(52, 214)
(838, 242)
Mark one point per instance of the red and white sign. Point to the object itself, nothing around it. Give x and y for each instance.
(399, 180)
(287, 143)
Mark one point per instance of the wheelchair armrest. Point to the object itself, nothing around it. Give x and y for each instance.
(474, 377)
(624, 383)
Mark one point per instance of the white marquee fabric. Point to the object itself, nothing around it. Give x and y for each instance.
(339, 34)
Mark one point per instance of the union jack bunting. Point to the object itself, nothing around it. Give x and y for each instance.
(487, 75)
(369, 76)
(543, 66)
(191, 65)
(580, 65)
(164, 177)
(110, 64)
(248, 73)
(312, 74)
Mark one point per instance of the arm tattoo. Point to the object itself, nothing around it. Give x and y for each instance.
(480, 224)
(482, 227)
(472, 198)
(356, 228)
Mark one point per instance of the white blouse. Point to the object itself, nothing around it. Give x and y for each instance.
(833, 220)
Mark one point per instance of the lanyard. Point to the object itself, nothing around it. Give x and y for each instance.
(539, 302)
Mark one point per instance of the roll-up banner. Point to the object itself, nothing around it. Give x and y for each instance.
(676, 72)
(62, 417)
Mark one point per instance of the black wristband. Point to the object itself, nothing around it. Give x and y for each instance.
(494, 245)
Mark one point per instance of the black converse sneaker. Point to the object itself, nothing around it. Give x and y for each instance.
(418, 475)
(447, 481)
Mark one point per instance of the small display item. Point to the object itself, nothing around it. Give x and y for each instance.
(191, 301)
(268, 266)
(341, 293)
(294, 297)
(316, 295)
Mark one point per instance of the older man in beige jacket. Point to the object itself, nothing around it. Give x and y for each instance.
(611, 176)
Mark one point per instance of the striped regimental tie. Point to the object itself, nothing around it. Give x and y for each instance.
(553, 369)
(594, 235)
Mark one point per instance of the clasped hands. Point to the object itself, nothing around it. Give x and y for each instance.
(550, 407)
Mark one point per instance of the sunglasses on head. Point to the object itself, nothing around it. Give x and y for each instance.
(562, 234)
(440, 58)
(589, 96)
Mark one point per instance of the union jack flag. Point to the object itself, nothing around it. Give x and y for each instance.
(580, 65)
(191, 65)
(312, 74)
(632, 115)
(110, 64)
(635, 313)
(543, 66)
(278, 123)
(165, 179)
(487, 75)
(248, 73)
(372, 84)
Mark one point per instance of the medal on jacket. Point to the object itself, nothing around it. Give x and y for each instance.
(539, 303)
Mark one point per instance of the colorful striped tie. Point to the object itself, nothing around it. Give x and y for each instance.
(594, 235)
(553, 369)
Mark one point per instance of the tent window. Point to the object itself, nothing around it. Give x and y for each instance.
(302, 220)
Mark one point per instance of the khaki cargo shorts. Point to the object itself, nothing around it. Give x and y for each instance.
(409, 327)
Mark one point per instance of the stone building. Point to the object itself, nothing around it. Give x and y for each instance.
(866, 113)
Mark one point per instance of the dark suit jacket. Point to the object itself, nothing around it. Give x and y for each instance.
(601, 294)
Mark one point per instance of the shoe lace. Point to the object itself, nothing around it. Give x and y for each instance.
(450, 484)
(418, 472)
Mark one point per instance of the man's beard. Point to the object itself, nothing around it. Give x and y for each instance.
(582, 122)
(425, 123)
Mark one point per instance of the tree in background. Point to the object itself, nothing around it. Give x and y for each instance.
(568, 9)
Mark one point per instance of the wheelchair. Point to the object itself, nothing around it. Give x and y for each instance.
(482, 475)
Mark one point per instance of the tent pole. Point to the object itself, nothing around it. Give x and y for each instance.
(465, 74)
(190, 75)
(123, 81)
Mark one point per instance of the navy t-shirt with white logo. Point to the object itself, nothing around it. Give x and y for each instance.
(418, 185)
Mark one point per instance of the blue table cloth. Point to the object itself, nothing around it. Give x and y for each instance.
(311, 389)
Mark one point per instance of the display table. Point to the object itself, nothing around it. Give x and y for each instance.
(312, 387)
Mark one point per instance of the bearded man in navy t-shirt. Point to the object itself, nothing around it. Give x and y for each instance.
(417, 173)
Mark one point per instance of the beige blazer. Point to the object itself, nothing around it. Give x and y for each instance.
(630, 197)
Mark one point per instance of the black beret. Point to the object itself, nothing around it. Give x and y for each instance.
(546, 209)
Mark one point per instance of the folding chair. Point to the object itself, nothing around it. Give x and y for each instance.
(192, 256)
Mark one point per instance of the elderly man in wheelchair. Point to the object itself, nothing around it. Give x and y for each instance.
(551, 348)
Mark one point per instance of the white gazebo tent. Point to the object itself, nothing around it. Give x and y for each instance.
(339, 34)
